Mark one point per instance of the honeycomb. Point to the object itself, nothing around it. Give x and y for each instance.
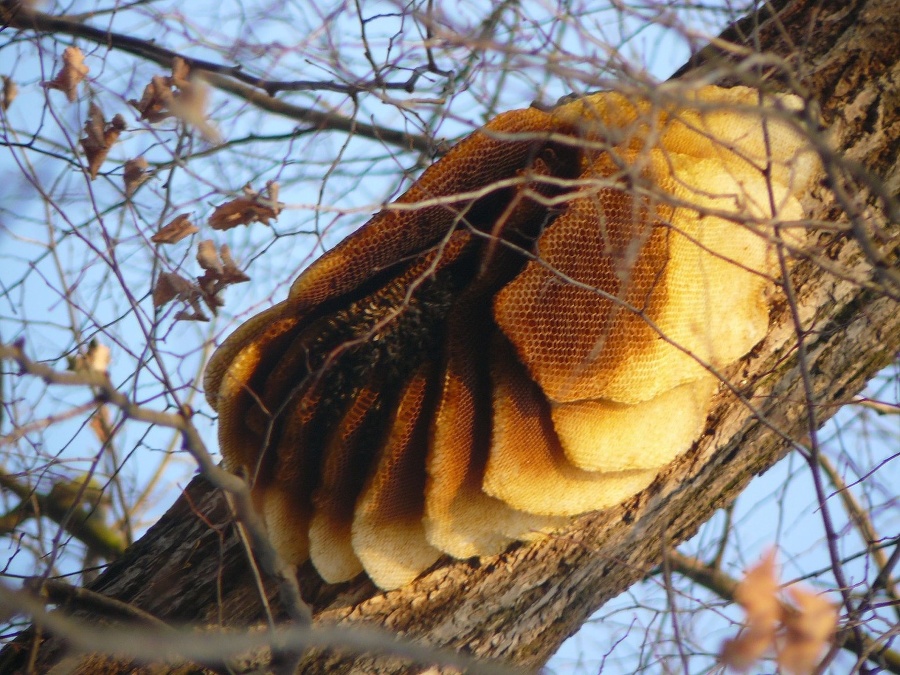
(530, 332)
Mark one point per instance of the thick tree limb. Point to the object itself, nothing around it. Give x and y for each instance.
(521, 605)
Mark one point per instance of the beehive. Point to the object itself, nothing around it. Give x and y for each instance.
(528, 333)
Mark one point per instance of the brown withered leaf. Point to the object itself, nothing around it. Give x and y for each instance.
(177, 95)
(231, 267)
(99, 137)
(176, 230)
(207, 257)
(10, 91)
(209, 284)
(757, 593)
(135, 173)
(240, 211)
(272, 189)
(796, 634)
(809, 625)
(96, 359)
(221, 271)
(250, 208)
(155, 100)
(101, 424)
(181, 72)
(189, 105)
(171, 286)
(73, 71)
(191, 315)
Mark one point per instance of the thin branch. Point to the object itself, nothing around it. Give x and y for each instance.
(93, 532)
(192, 443)
(23, 430)
(673, 608)
(860, 518)
(881, 407)
(60, 593)
(153, 644)
(231, 79)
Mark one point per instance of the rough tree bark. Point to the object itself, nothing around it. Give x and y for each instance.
(519, 607)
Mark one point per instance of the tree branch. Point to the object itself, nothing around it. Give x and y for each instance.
(258, 91)
(231, 485)
(75, 518)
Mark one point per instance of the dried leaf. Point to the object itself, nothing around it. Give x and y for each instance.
(189, 102)
(71, 74)
(809, 631)
(231, 268)
(176, 230)
(221, 271)
(248, 209)
(101, 424)
(177, 95)
(99, 138)
(196, 315)
(10, 91)
(181, 72)
(816, 618)
(169, 286)
(172, 285)
(190, 107)
(797, 634)
(155, 100)
(758, 595)
(135, 174)
(240, 211)
(208, 258)
(272, 191)
(210, 286)
(96, 359)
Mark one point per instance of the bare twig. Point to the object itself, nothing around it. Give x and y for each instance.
(258, 91)
(107, 393)
(881, 407)
(860, 518)
(154, 644)
(93, 532)
(58, 593)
